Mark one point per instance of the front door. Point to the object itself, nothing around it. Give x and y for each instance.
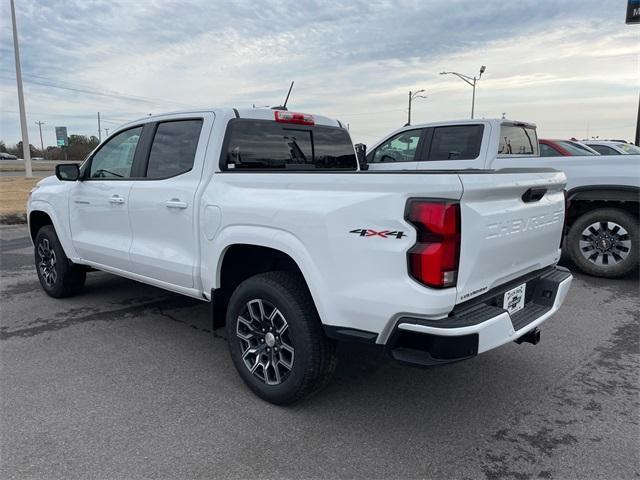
(99, 203)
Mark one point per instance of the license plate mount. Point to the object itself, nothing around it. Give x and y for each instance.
(514, 299)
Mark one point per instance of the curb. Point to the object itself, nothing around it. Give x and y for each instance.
(13, 218)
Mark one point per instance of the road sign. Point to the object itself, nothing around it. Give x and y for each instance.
(61, 137)
(633, 11)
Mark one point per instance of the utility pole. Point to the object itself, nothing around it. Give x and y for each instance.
(99, 129)
(44, 155)
(471, 81)
(106, 132)
(26, 153)
(412, 96)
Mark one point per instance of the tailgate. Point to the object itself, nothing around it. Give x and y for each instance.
(511, 224)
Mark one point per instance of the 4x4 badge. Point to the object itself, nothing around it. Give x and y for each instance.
(368, 232)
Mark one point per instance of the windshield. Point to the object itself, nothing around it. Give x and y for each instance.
(629, 148)
(576, 148)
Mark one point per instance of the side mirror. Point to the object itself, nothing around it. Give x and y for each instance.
(68, 172)
(361, 153)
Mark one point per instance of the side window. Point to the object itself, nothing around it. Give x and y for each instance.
(456, 142)
(115, 158)
(518, 140)
(548, 151)
(399, 148)
(174, 148)
(604, 150)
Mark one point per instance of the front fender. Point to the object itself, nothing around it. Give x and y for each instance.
(61, 225)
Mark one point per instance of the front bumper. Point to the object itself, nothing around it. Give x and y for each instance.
(479, 326)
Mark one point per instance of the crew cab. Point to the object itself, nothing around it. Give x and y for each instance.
(603, 191)
(266, 214)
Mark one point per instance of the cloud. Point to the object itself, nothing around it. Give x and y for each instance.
(352, 60)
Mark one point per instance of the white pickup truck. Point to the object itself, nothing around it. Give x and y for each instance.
(603, 192)
(266, 215)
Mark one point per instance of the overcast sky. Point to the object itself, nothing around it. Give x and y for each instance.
(571, 67)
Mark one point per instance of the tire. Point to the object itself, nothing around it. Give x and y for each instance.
(294, 359)
(58, 276)
(604, 242)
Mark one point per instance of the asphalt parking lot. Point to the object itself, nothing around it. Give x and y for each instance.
(127, 381)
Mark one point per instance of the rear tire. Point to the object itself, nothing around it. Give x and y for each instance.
(58, 276)
(604, 242)
(276, 340)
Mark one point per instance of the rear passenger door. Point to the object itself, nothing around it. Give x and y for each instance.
(455, 147)
(162, 204)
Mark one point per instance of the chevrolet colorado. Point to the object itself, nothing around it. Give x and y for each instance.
(266, 215)
(603, 192)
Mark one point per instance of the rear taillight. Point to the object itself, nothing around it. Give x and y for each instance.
(293, 117)
(433, 260)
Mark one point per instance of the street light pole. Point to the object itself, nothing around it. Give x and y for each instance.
(26, 152)
(412, 96)
(44, 156)
(473, 98)
(471, 81)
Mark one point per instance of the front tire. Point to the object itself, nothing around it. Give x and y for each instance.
(58, 276)
(604, 242)
(276, 339)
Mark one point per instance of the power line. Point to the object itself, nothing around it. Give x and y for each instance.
(105, 93)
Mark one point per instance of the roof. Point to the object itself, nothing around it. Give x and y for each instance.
(254, 113)
(608, 143)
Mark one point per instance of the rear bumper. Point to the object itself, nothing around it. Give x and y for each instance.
(479, 327)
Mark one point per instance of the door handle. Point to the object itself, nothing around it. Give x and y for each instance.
(176, 203)
(533, 195)
(117, 199)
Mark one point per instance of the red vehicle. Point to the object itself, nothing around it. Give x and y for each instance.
(564, 148)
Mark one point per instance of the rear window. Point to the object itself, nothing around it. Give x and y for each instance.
(456, 142)
(267, 145)
(629, 149)
(518, 140)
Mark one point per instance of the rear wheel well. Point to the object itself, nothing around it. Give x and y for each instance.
(242, 261)
(577, 208)
(37, 220)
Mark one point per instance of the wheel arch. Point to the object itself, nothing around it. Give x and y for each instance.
(242, 259)
(37, 220)
(42, 213)
(581, 200)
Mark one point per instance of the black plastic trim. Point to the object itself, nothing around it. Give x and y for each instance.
(500, 290)
(533, 195)
(621, 193)
(426, 350)
(350, 334)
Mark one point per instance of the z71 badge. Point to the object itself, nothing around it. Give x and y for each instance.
(368, 232)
